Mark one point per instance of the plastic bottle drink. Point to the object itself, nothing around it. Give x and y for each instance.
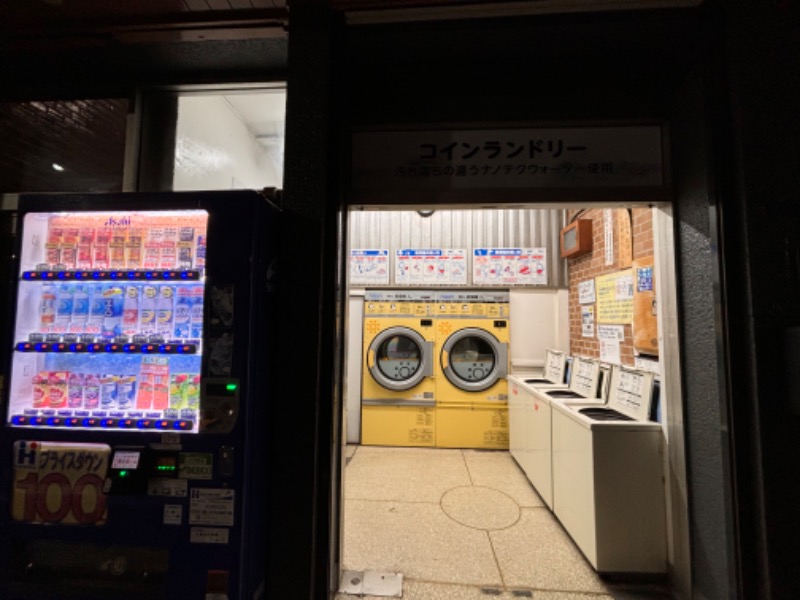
(164, 311)
(80, 310)
(196, 319)
(75, 390)
(47, 309)
(58, 389)
(113, 300)
(147, 310)
(63, 308)
(91, 391)
(130, 311)
(97, 311)
(183, 312)
(108, 392)
(126, 392)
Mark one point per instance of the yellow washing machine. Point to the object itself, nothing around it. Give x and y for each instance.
(472, 333)
(398, 406)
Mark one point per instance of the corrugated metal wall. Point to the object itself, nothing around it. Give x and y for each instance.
(474, 228)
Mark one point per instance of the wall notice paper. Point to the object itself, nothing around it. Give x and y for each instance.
(509, 266)
(431, 267)
(587, 320)
(608, 236)
(369, 267)
(586, 292)
(610, 338)
(615, 298)
(211, 506)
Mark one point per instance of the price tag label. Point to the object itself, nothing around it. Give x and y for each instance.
(59, 483)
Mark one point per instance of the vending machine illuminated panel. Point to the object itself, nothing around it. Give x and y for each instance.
(109, 321)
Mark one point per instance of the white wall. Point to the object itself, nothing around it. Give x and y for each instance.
(214, 149)
(539, 320)
(352, 386)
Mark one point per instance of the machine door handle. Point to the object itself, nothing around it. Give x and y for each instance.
(370, 358)
(445, 359)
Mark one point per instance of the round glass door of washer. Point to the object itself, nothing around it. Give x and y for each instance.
(397, 358)
(472, 359)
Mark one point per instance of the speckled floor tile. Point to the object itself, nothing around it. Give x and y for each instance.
(350, 450)
(497, 469)
(480, 507)
(417, 540)
(425, 590)
(537, 553)
(404, 474)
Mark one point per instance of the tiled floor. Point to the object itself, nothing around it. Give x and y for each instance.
(462, 525)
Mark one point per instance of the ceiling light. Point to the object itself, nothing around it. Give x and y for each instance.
(57, 167)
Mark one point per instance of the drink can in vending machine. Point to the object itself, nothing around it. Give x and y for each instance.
(75, 385)
(58, 389)
(91, 391)
(193, 392)
(41, 389)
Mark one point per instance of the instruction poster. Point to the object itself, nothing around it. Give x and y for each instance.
(431, 267)
(586, 292)
(587, 320)
(509, 266)
(615, 298)
(610, 338)
(369, 267)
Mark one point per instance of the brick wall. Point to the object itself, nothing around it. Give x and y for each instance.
(592, 265)
(86, 137)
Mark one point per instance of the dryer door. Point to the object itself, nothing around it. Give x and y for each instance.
(399, 358)
(473, 359)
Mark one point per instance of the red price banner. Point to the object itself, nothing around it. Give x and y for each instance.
(59, 483)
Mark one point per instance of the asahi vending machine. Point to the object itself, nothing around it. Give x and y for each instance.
(135, 408)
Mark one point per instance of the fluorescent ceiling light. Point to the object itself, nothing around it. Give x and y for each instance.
(57, 167)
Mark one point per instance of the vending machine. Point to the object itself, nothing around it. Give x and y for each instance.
(135, 409)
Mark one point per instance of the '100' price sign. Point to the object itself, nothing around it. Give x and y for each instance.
(59, 483)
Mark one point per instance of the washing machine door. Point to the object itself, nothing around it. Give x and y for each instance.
(399, 358)
(473, 359)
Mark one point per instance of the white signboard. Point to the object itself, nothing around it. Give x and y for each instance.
(395, 162)
(211, 506)
(610, 338)
(369, 267)
(608, 236)
(587, 321)
(509, 266)
(586, 292)
(209, 535)
(431, 267)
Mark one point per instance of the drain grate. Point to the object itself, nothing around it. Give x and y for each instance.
(522, 593)
(491, 591)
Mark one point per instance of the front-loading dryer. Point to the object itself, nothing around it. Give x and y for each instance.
(397, 389)
(608, 476)
(471, 367)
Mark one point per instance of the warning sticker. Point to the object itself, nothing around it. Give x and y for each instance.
(211, 506)
(209, 535)
(173, 514)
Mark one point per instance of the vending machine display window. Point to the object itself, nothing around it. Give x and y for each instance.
(109, 321)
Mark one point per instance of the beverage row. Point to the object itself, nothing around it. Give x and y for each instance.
(111, 310)
(105, 248)
(154, 388)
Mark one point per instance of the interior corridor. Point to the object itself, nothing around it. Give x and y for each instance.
(462, 525)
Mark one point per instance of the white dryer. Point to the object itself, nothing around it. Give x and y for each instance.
(608, 487)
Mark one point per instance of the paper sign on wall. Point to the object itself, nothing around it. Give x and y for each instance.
(587, 320)
(509, 266)
(615, 297)
(431, 267)
(586, 292)
(610, 338)
(369, 267)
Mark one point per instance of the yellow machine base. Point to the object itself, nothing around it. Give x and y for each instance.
(398, 426)
(477, 426)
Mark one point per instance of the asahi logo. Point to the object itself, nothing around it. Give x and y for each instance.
(118, 222)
